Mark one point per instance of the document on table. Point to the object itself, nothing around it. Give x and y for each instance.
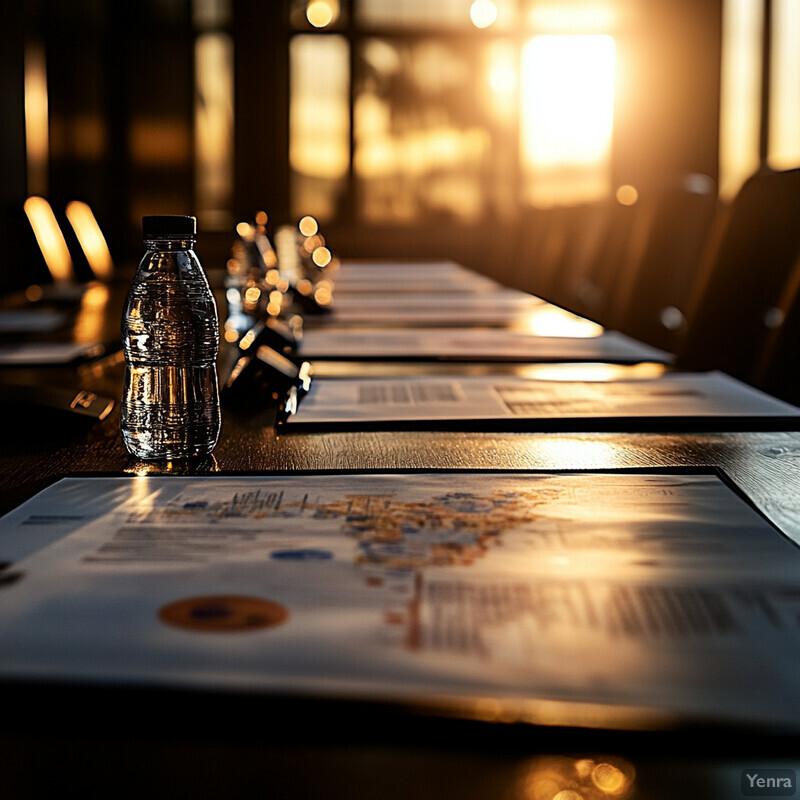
(501, 298)
(414, 279)
(430, 284)
(442, 269)
(502, 307)
(482, 344)
(710, 399)
(660, 591)
(31, 321)
(48, 352)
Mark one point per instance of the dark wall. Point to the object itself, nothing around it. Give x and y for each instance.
(13, 182)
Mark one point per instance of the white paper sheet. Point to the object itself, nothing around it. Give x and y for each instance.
(428, 284)
(383, 301)
(638, 590)
(502, 307)
(473, 343)
(47, 352)
(31, 321)
(358, 269)
(672, 396)
(410, 280)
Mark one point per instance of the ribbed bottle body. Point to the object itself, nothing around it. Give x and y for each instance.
(170, 334)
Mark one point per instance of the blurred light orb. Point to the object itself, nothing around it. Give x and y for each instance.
(609, 779)
(672, 318)
(320, 13)
(312, 243)
(34, 293)
(483, 13)
(321, 257)
(323, 296)
(627, 195)
(308, 226)
(774, 317)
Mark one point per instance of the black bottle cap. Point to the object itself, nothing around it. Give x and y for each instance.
(168, 225)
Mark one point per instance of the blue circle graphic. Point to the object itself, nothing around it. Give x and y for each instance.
(302, 555)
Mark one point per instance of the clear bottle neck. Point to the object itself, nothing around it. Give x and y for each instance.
(170, 243)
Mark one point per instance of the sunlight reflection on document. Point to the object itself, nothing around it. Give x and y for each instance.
(550, 320)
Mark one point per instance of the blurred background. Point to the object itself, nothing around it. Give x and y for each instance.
(547, 144)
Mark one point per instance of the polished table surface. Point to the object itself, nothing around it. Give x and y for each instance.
(238, 746)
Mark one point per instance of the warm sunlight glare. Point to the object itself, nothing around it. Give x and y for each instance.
(740, 93)
(568, 112)
(501, 69)
(784, 110)
(49, 238)
(594, 372)
(36, 118)
(550, 320)
(568, 98)
(593, 16)
(91, 239)
(91, 317)
(213, 127)
(319, 118)
(502, 77)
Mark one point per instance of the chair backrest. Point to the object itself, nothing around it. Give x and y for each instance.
(547, 249)
(599, 259)
(776, 371)
(652, 304)
(539, 236)
(743, 277)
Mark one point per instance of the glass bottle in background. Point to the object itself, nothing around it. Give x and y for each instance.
(170, 337)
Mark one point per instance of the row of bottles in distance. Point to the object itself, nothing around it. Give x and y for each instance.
(268, 291)
(283, 282)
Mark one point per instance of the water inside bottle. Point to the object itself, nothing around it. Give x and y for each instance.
(170, 402)
(167, 413)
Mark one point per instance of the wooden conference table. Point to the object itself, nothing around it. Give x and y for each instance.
(102, 737)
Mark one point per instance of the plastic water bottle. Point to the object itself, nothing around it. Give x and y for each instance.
(170, 336)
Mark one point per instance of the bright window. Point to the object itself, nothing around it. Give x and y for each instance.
(567, 117)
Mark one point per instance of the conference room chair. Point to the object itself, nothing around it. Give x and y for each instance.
(776, 369)
(744, 277)
(650, 301)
